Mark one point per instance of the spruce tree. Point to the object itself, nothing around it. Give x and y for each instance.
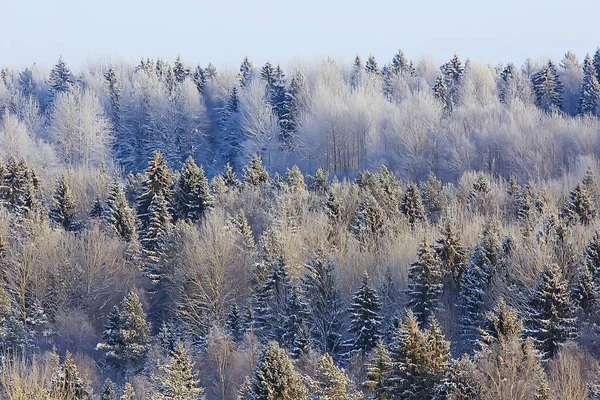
(60, 79)
(295, 180)
(591, 256)
(128, 392)
(365, 318)
(178, 380)
(356, 73)
(424, 283)
(246, 72)
(590, 183)
(548, 88)
(585, 293)
(63, 205)
(114, 92)
(296, 336)
(294, 104)
(67, 384)
(412, 205)
(180, 71)
(255, 174)
(579, 207)
(234, 324)
(369, 222)
(440, 91)
(596, 63)
(501, 324)
(192, 195)
(158, 180)
(108, 390)
(199, 79)
(118, 213)
(590, 90)
(378, 368)
(371, 66)
(551, 320)
(433, 197)
(126, 337)
(506, 77)
(154, 239)
(324, 304)
(275, 377)
(333, 383)
(452, 256)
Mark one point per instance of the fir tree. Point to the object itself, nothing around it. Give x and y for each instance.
(452, 73)
(551, 321)
(63, 205)
(506, 77)
(178, 380)
(368, 225)
(275, 377)
(67, 384)
(296, 336)
(356, 74)
(324, 304)
(234, 324)
(180, 71)
(118, 213)
(378, 368)
(452, 256)
(210, 72)
(434, 199)
(114, 91)
(97, 209)
(60, 79)
(108, 390)
(332, 382)
(192, 196)
(267, 73)
(255, 174)
(126, 336)
(371, 66)
(590, 183)
(294, 104)
(199, 79)
(579, 207)
(425, 283)
(154, 238)
(319, 183)
(500, 324)
(158, 181)
(246, 72)
(585, 293)
(295, 180)
(440, 91)
(365, 320)
(460, 383)
(548, 88)
(399, 65)
(590, 89)
(596, 62)
(412, 205)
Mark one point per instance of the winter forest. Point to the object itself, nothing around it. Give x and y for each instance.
(368, 229)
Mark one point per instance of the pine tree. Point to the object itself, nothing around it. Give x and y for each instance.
(369, 223)
(255, 174)
(60, 79)
(412, 205)
(126, 336)
(551, 321)
(275, 377)
(178, 380)
(548, 88)
(192, 196)
(425, 283)
(452, 256)
(324, 304)
(154, 238)
(63, 205)
(67, 384)
(234, 324)
(590, 89)
(108, 390)
(365, 320)
(333, 383)
(579, 207)
(378, 368)
(246, 72)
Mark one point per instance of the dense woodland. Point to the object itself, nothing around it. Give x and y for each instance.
(325, 231)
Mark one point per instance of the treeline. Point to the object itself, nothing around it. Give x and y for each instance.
(299, 286)
(534, 121)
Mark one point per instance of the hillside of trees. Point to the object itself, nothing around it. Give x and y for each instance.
(329, 231)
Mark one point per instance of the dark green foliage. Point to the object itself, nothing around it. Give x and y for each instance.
(590, 89)
(434, 199)
(424, 283)
(548, 88)
(63, 206)
(452, 256)
(158, 181)
(365, 318)
(412, 205)
(552, 322)
(234, 324)
(192, 194)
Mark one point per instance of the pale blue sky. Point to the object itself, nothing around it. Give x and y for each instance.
(223, 31)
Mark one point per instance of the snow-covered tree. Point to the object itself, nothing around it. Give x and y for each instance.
(333, 383)
(425, 283)
(548, 88)
(296, 335)
(192, 194)
(177, 380)
(369, 222)
(61, 79)
(378, 368)
(234, 324)
(590, 89)
(365, 318)
(452, 256)
(154, 238)
(412, 205)
(246, 72)
(551, 322)
(255, 174)
(579, 207)
(118, 213)
(158, 180)
(63, 205)
(67, 384)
